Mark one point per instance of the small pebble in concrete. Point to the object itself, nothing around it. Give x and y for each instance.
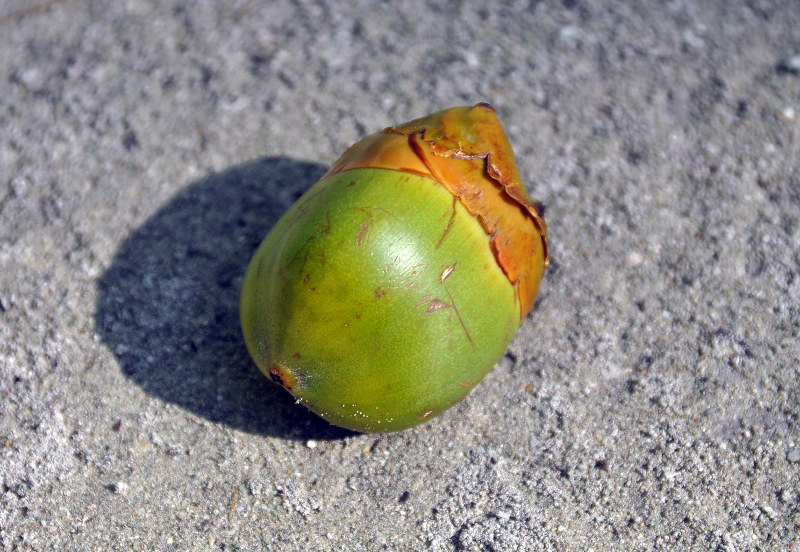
(790, 65)
(793, 455)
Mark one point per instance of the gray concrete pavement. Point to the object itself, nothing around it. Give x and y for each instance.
(651, 400)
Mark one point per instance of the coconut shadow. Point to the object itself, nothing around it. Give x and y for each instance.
(168, 306)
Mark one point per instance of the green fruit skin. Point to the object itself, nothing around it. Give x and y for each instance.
(376, 300)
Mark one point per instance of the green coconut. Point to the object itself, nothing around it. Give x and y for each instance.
(381, 297)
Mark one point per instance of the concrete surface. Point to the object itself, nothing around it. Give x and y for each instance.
(649, 402)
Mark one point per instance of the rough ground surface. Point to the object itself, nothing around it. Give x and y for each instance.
(651, 400)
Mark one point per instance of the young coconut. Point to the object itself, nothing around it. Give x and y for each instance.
(394, 284)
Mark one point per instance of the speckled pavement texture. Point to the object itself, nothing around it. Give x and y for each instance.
(651, 400)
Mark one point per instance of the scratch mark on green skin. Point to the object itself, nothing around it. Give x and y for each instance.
(435, 305)
(447, 272)
(366, 226)
(455, 308)
(377, 208)
(363, 231)
(449, 223)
